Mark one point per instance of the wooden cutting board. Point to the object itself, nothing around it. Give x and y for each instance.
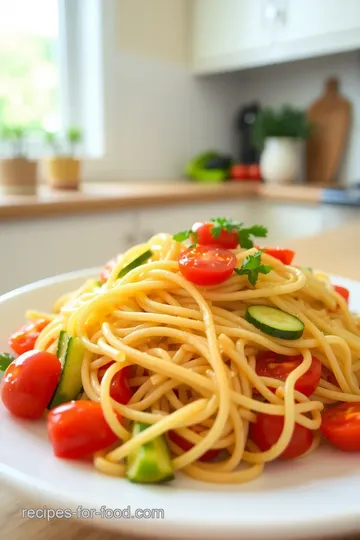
(330, 115)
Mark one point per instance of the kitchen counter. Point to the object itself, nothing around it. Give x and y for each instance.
(332, 251)
(98, 197)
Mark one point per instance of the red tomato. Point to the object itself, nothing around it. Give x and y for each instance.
(239, 172)
(120, 390)
(270, 364)
(328, 376)
(342, 291)
(267, 429)
(186, 445)
(286, 256)
(228, 240)
(78, 429)
(207, 265)
(341, 426)
(254, 172)
(29, 383)
(106, 271)
(23, 340)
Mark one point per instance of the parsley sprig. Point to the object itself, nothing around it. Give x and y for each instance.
(223, 224)
(5, 360)
(252, 267)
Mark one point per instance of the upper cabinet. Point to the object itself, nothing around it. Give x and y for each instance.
(236, 34)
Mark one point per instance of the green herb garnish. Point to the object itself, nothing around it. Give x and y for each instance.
(5, 360)
(252, 267)
(223, 224)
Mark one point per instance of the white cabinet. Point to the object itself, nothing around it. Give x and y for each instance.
(237, 34)
(33, 250)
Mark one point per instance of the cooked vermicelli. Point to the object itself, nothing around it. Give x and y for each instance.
(192, 358)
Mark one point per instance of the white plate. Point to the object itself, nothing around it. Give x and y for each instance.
(319, 495)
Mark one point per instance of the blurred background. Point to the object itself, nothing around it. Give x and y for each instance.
(256, 102)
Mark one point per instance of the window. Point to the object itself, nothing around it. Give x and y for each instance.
(51, 67)
(29, 66)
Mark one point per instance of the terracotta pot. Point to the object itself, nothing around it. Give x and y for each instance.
(18, 176)
(64, 173)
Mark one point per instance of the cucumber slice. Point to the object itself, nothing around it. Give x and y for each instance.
(151, 463)
(275, 322)
(141, 259)
(62, 346)
(71, 355)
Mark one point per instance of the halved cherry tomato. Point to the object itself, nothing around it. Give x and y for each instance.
(228, 240)
(106, 271)
(24, 339)
(120, 390)
(29, 383)
(78, 429)
(254, 172)
(207, 265)
(341, 426)
(266, 430)
(270, 364)
(186, 445)
(286, 256)
(342, 291)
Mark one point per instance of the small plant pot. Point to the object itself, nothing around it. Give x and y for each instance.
(18, 177)
(64, 173)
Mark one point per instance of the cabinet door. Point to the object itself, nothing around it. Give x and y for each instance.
(223, 29)
(46, 247)
(321, 18)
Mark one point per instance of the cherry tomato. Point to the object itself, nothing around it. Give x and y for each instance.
(328, 376)
(186, 445)
(24, 339)
(29, 383)
(227, 240)
(267, 429)
(342, 291)
(207, 265)
(239, 172)
(78, 429)
(286, 256)
(341, 426)
(254, 172)
(120, 390)
(270, 364)
(106, 271)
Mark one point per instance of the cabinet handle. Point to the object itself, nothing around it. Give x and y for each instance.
(273, 13)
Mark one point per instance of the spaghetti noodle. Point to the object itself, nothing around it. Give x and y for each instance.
(193, 358)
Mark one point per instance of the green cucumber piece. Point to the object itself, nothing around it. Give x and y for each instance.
(141, 259)
(275, 322)
(62, 346)
(151, 463)
(71, 355)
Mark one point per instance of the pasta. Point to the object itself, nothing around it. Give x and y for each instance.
(193, 354)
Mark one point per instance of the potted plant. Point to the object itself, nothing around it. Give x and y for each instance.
(18, 172)
(64, 167)
(280, 135)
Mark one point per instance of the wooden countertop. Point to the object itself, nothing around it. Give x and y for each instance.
(96, 197)
(331, 251)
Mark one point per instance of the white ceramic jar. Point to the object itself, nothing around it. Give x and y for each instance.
(281, 160)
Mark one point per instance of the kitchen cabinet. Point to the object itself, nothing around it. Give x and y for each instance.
(40, 248)
(33, 250)
(237, 34)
